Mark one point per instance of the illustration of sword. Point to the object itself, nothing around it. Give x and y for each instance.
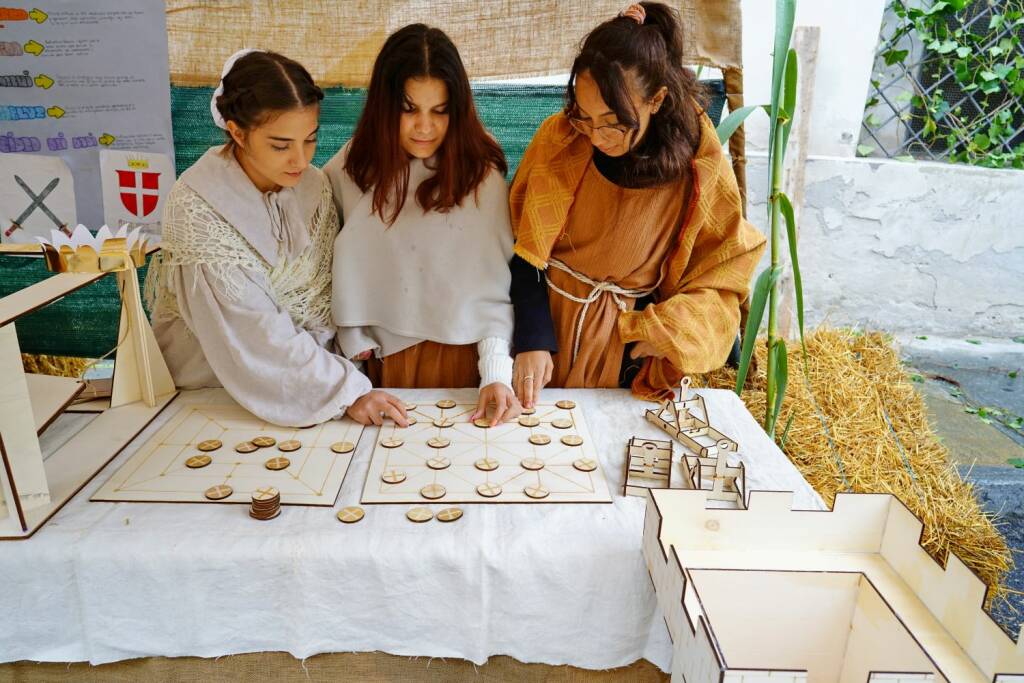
(37, 202)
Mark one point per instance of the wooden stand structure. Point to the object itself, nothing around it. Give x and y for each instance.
(771, 593)
(648, 466)
(33, 490)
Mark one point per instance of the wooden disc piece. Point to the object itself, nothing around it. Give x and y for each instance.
(343, 447)
(566, 404)
(350, 515)
(442, 422)
(537, 491)
(265, 493)
(264, 441)
(393, 476)
(289, 446)
(572, 440)
(540, 439)
(209, 445)
(532, 464)
(449, 514)
(246, 447)
(585, 465)
(439, 462)
(419, 515)
(482, 423)
(438, 442)
(445, 403)
(489, 489)
(410, 406)
(486, 464)
(529, 421)
(391, 443)
(218, 492)
(561, 423)
(433, 491)
(278, 463)
(529, 411)
(197, 461)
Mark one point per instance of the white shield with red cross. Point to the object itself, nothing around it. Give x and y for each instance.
(134, 186)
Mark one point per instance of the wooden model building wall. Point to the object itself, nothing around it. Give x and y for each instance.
(848, 595)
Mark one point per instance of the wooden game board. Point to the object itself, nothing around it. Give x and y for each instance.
(157, 471)
(507, 444)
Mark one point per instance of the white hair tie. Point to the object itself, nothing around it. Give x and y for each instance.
(217, 118)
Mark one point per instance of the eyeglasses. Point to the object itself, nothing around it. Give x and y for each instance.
(610, 135)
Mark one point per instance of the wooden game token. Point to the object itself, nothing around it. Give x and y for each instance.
(438, 442)
(529, 421)
(391, 443)
(278, 463)
(410, 420)
(350, 515)
(246, 447)
(532, 464)
(445, 403)
(585, 465)
(209, 445)
(566, 404)
(442, 422)
(393, 476)
(438, 462)
(486, 464)
(218, 492)
(529, 411)
(572, 440)
(264, 441)
(433, 491)
(410, 406)
(561, 423)
(197, 461)
(419, 515)
(489, 489)
(289, 446)
(482, 423)
(540, 439)
(343, 447)
(264, 518)
(537, 491)
(265, 493)
(449, 514)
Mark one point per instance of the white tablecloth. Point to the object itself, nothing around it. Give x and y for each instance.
(558, 584)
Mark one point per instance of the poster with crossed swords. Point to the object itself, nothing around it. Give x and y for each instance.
(37, 196)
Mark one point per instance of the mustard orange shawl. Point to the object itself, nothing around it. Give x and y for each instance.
(696, 315)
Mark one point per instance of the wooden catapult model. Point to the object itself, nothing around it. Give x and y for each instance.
(706, 450)
(32, 489)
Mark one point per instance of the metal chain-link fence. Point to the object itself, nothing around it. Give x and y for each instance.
(948, 83)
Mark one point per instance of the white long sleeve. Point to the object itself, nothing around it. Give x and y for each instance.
(495, 363)
(273, 368)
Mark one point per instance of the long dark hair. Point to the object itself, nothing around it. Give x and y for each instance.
(375, 157)
(650, 55)
(261, 84)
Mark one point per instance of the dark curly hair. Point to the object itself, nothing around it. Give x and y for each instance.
(621, 53)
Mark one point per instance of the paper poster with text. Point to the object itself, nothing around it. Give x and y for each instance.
(80, 77)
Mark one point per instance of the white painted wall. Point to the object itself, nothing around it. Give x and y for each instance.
(849, 34)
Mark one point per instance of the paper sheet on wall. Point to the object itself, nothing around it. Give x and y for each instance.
(77, 78)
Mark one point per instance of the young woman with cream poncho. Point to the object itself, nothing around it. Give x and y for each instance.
(421, 275)
(632, 254)
(241, 291)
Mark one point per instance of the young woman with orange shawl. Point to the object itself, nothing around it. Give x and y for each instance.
(632, 255)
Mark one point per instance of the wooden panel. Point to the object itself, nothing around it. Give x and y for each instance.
(49, 395)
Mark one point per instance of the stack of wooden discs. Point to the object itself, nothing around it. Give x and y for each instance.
(266, 503)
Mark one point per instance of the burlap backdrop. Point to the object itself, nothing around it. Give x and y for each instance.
(338, 41)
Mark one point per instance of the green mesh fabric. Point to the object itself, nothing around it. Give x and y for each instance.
(85, 322)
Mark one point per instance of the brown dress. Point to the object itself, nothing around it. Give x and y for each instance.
(613, 234)
(426, 365)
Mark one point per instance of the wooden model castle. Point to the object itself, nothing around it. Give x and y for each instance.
(770, 594)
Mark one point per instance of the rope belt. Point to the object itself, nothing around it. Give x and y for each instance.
(597, 289)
